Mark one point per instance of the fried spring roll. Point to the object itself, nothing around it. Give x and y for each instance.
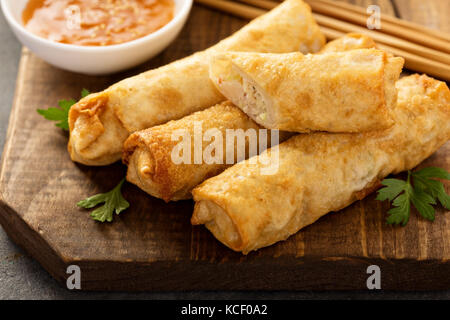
(148, 152)
(350, 41)
(349, 91)
(322, 172)
(156, 156)
(100, 123)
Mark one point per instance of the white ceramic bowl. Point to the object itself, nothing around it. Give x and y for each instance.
(96, 60)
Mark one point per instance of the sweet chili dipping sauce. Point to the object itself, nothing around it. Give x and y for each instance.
(96, 22)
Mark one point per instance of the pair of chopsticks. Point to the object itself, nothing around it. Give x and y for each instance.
(424, 50)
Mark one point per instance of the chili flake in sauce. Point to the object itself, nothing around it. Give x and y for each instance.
(96, 22)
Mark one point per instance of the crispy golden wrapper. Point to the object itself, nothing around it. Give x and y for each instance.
(321, 172)
(100, 123)
(350, 41)
(153, 157)
(350, 91)
(148, 152)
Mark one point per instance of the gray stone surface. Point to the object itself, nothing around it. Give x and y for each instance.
(23, 278)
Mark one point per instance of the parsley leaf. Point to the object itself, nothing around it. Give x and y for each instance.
(400, 214)
(394, 187)
(61, 114)
(432, 172)
(84, 93)
(113, 202)
(423, 195)
(423, 180)
(423, 203)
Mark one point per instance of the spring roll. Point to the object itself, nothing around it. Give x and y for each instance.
(163, 160)
(349, 91)
(350, 41)
(100, 123)
(148, 152)
(321, 172)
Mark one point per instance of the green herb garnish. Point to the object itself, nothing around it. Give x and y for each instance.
(113, 202)
(61, 114)
(425, 193)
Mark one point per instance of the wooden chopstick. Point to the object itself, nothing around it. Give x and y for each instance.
(384, 39)
(356, 14)
(393, 25)
(265, 4)
(333, 29)
(396, 26)
(236, 9)
(412, 62)
(405, 38)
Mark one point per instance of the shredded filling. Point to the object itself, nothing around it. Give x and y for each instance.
(253, 102)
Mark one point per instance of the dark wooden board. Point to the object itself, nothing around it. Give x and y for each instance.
(152, 246)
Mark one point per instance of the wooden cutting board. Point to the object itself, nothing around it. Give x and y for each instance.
(152, 245)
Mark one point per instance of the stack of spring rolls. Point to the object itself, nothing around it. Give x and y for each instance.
(329, 126)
